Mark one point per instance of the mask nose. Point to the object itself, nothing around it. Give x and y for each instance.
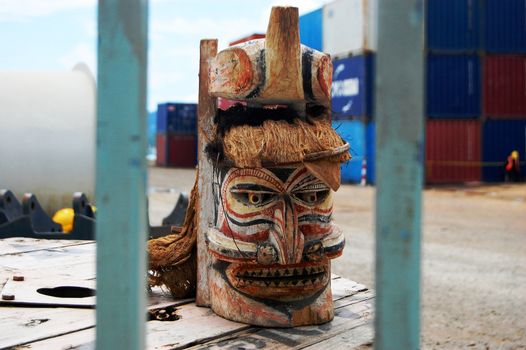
(286, 238)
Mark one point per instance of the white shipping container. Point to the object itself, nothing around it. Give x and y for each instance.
(349, 26)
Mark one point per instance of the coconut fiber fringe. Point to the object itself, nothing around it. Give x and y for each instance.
(173, 258)
(280, 142)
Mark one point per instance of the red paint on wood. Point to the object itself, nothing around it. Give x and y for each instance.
(181, 151)
(247, 38)
(505, 86)
(453, 151)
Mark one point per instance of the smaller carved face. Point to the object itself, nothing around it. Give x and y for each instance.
(274, 237)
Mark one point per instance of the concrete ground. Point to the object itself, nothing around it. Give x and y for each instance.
(473, 256)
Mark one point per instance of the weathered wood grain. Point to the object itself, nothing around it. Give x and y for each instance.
(346, 318)
(205, 208)
(24, 325)
(27, 293)
(200, 325)
(22, 245)
(282, 56)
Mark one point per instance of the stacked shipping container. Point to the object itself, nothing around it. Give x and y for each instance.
(474, 70)
(453, 91)
(344, 29)
(504, 86)
(176, 134)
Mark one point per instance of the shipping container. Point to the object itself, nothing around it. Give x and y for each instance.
(505, 86)
(505, 30)
(311, 29)
(500, 138)
(161, 150)
(352, 131)
(247, 38)
(370, 152)
(453, 86)
(180, 118)
(352, 86)
(452, 151)
(182, 151)
(453, 24)
(349, 25)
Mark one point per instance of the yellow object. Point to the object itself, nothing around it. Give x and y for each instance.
(515, 155)
(65, 217)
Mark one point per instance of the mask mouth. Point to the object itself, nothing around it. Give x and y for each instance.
(280, 282)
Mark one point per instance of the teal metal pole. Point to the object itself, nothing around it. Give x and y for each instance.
(121, 174)
(399, 157)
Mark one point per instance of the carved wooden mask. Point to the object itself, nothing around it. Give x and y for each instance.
(272, 247)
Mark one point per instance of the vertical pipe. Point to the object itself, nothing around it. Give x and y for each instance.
(121, 174)
(400, 145)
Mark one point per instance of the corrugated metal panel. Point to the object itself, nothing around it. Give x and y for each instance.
(352, 86)
(453, 86)
(500, 138)
(247, 38)
(349, 25)
(311, 29)
(453, 151)
(161, 150)
(505, 86)
(182, 151)
(352, 131)
(453, 24)
(370, 151)
(505, 26)
(178, 118)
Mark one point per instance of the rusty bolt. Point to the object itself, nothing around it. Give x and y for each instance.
(8, 297)
(18, 278)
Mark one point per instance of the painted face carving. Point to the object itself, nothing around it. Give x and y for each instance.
(272, 247)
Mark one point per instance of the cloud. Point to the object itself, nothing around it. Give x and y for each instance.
(23, 10)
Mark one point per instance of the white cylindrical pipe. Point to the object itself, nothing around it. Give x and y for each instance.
(47, 128)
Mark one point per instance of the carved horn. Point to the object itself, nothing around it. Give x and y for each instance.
(283, 56)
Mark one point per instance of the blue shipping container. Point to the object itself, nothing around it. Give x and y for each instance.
(178, 118)
(453, 86)
(505, 26)
(311, 25)
(370, 152)
(500, 138)
(352, 86)
(352, 131)
(453, 24)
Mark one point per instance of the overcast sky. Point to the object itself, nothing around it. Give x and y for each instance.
(56, 34)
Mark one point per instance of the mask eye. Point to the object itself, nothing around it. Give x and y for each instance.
(255, 199)
(308, 197)
(313, 196)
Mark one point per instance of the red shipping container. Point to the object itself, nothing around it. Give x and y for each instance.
(505, 86)
(161, 150)
(182, 151)
(453, 151)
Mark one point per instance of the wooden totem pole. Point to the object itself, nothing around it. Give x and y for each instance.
(267, 170)
(274, 159)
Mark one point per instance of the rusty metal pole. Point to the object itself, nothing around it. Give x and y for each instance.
(400, 145)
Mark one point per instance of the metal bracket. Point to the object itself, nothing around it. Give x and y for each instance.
(28, 219)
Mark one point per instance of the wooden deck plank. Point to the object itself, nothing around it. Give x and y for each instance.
(346, 318)
(17, 245)
(200, 325)
(23, 325)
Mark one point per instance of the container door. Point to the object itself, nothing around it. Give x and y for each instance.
(453, 86)
(352, 131)
(500, 138)
(505, 86)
